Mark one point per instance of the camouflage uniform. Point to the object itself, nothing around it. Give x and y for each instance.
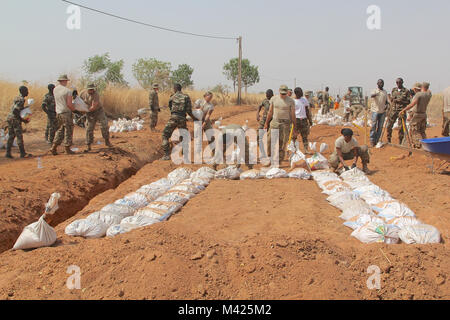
(94, 116)
(48, 106)
(266, 105)
(302, 127)
(325, 102)
(400, 99)
(179, 104)
(154, 109)
(418, 123)
(15, 125)
(64, 129)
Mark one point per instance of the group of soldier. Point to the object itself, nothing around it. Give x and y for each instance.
(59, 108)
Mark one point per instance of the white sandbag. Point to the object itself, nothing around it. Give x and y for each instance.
(374, 232)
(26, 114)
(80, 105)
(373, 194)
(120, 229)
(293, 146)
(151, 194)
(323, 148)
(420, 234)
(355, 184)
(300, 173)
(229, 173)
(276, 173)
(135, 200)
(396, 209)
(107, 218)
(119, 209)
(352, 174)
(318, 162)
(87, 228)
(206, 173)
(153, 213)
(402, 222)
(362, 219)
(198, 114)
(332, 187)
(251, 175)
(340, 199)
(196, 181)
(141, 221)
(52, 204)
(355, 208)
(36, 235)
(296, 157)
(169, 208)
(177, 197)
(324, 175)
(178, 175)
(186, 188)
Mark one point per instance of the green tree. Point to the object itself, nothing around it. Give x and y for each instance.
(103, 72)
(149, 71)
(250, 73)
(183, 75)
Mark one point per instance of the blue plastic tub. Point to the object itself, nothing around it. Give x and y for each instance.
(437, 145)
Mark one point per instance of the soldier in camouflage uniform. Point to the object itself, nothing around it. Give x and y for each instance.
(262, 121)
(325, 101)
(48, 106)
(400, 98)
(154, 107)
(15, 124)
(179, 104)
(96, 113)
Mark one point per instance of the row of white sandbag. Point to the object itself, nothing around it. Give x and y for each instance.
(371, 211)
(150, 204)
(234, 173)
(124, 125)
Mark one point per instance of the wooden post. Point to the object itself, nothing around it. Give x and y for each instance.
(239, 97)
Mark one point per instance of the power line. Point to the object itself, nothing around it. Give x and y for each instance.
(150, 25)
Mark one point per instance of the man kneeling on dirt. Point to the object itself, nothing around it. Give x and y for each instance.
(347, 148)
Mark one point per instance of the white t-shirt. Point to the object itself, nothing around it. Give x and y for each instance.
(346, 147)
(378, 104)
(300, 107)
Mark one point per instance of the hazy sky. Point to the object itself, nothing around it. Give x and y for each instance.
(321, 42)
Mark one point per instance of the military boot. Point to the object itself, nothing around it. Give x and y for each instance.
(108, 143)
(365, 168)
(88, 148)
(8, 153)
(23, 154)
(53, 150)
(68, 151)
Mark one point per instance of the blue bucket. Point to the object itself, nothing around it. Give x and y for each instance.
(437, 145)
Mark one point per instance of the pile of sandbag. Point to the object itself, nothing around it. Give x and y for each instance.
(332, 119)
(371, 212)
(148, 205)
(124, 125)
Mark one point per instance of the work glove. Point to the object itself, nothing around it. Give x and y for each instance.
(353, 166)
(346, 168)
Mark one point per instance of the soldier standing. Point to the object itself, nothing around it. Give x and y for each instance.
(400, 98)
(154, 107)
(15, 124)
(326, 101)
(179, 104)
(280, 117)
(96, 113)
(64, 108)
(48, 105)
(303, 120)
(265, 105)
(418, 116)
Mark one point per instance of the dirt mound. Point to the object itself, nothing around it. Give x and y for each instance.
(263, 239)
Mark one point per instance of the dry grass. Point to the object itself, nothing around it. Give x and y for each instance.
(118, 102)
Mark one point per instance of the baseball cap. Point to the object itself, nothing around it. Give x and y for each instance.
(417, 85)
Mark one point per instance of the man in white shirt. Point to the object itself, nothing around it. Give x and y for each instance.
(347, 148)
(378, 108)
(303, 118)
(207, 109)
(64, 108)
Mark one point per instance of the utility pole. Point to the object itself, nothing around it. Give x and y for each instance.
(295, 83)
(239, 97)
